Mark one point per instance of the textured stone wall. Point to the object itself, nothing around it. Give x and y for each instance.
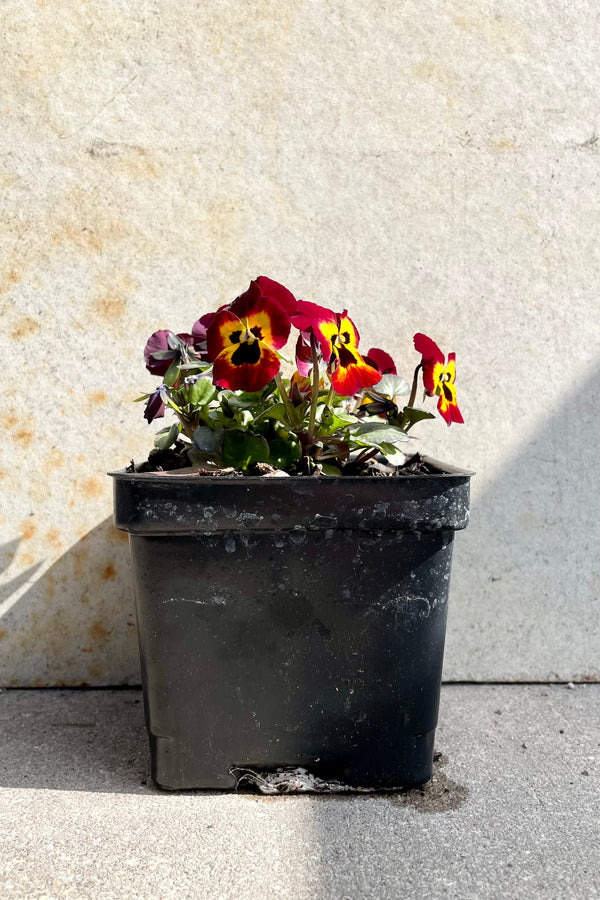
(431, 166)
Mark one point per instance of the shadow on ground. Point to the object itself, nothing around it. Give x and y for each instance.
(95, 740)
(77, 740)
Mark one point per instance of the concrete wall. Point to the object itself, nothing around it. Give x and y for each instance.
(432, 166)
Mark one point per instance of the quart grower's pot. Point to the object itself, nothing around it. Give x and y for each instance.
(291, 621)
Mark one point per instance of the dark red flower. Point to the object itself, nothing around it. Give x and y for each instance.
(155, 406)
(199, 330)
(275, 291)
(163, 347)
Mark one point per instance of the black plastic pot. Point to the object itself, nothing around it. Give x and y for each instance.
(291, 621)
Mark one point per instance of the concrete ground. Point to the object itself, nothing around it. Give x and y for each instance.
(513, 810)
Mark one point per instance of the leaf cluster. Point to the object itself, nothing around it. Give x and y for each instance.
(240, 429)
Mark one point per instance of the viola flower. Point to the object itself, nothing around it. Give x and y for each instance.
(163, 347)
(338, 342)
(381, 361)
(304, 358)
(199, 330)
(438, 377)
(277, 292)
(242, 340)
(155, 407)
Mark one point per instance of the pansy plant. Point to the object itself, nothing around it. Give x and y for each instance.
(338, 412)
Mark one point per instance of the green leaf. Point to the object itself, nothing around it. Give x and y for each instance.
(172, 374)
(207, 440)
(197, 367)
(335, 419)
(202, 392)
(143, 397)
(392, 386)
(330, 471)
(166, 437)
(283, 453)
(394, 456)
(410, 416)
(244, 400)
(277, 412)
(373, 434)
(240, 448)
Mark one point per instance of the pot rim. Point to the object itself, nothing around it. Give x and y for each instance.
(446, 470)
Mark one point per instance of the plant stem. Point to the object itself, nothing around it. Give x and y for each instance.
(314, 399)
(285, 399)
(187, 428)
(413, 393)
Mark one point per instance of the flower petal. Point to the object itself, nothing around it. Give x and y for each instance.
(432, 362)
(242, 304)
(275, 291)
(325, 332)
(348, 331)
(247, 366)
(304, 353)
(224, 331)
(428, 348)
(350, 373)
(158, 342)
(447, 405)
(155, 408)
(199, 330)
(381, 361)
(307, 313)
(269, 322)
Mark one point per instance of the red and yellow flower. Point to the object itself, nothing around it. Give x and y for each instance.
(338, 339)
(439, 376)
(242, 339)
(381, 361)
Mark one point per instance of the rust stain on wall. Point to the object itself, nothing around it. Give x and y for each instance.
(91, 487)
(88, 222)
(98, 632)
(21, 434)
(24, 327)
(54, 460)
(9, 419)
(11, 278)
(109, 572)
(49, 586)
(27, 529)
(502, 145)
(79, 556)
(26, 559)
(3, 633)
(54, 539)
(111, 309)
